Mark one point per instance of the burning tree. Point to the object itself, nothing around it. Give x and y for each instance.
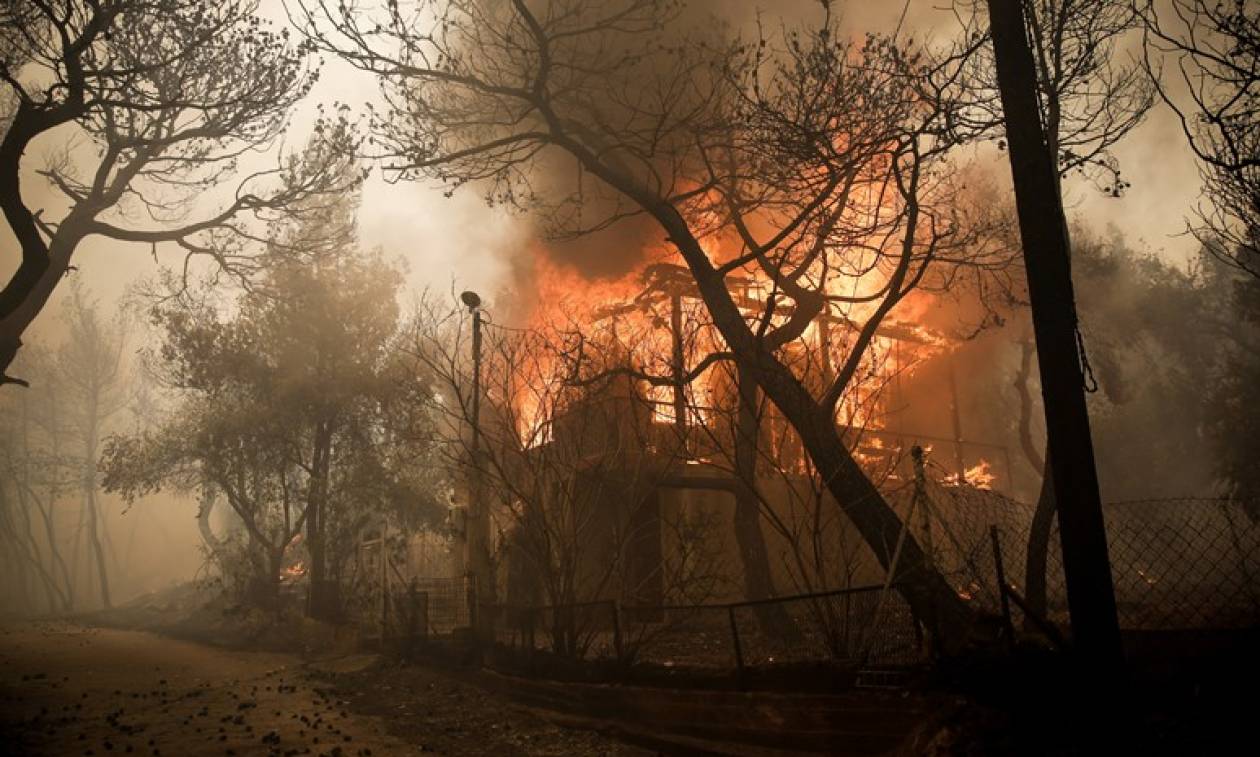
(662, 337)
(164, 98)
(812, 164)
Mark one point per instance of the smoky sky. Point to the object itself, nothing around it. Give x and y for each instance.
(460, 242)
(614, 252)
(1150, 215)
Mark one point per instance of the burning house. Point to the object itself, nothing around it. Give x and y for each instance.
(633, 487)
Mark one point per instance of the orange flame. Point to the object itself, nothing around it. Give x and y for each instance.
(979, 476)
(618, 309)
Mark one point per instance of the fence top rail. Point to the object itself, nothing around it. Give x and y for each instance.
(544, 608)
(700, 607)
(1203, 501)
(813, 595)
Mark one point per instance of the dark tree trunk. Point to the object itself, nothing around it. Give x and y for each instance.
(89, 496)
(321, 595)
(1043, 516)
(678, 368)
(758, 580)
(923, 587)
(26, 497)
(1039, 548)
(27, 558)
(98, 551)
(1087, 569)
(263, 590)
(204, 509)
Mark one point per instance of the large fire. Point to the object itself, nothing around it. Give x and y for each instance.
(653, 319)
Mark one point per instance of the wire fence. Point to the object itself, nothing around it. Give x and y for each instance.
(1177, 564)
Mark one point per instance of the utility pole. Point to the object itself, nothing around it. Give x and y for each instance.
(477, 522)
(678, 367)
(956, 418)
(1086, 566)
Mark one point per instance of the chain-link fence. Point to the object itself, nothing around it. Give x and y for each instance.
(1177, 564)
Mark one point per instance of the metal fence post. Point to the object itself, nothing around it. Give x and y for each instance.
(739, 651)
(616, 624)
(424, 624)
(1001, 581)
(411, 613)
(848, 624)
(531, 620)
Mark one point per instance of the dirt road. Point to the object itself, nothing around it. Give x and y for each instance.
(70, 690)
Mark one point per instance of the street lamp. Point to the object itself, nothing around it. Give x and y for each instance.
(477, 530)
(473, 301)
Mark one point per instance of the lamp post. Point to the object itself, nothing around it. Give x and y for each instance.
(477, 527)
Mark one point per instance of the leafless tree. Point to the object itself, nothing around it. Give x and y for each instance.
(53, 456)
(94, 384)
(574, 478)
(1090, 94)
(158, 104)
(1215, 49)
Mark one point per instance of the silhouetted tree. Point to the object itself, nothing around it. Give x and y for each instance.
(1214, 46)
(34, 476)
(1088, 98)
(166, 98)
(1047, 258)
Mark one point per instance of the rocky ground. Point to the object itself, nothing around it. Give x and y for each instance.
(74, 690)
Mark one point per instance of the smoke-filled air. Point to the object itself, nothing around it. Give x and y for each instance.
(629, 377)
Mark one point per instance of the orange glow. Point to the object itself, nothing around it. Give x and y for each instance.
(979, 476)
(630, 320)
